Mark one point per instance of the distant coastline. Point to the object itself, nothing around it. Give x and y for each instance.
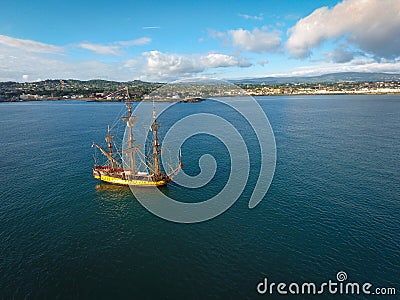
(103, 90)
(186, 100)
(196, 100)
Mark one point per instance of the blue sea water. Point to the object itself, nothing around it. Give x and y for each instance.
(333, 205)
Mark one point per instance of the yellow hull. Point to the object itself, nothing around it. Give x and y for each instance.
(133, 182)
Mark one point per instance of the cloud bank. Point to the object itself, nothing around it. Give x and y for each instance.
(23, 60)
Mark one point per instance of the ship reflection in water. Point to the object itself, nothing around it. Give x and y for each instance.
(104, 187)
(113, 192)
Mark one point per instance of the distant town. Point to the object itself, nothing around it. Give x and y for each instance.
(324, 88)
(102, 90)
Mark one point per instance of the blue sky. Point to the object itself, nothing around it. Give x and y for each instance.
(154, 40)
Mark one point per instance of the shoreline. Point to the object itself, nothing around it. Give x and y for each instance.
(196, 100)
(91, 100)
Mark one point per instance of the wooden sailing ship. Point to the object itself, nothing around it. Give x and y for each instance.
(123, 172)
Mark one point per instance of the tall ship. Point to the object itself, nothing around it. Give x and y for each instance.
(120, 164)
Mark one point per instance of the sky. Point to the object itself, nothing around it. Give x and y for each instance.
(176, 39)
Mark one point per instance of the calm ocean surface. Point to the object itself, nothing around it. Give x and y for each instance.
(333, 205)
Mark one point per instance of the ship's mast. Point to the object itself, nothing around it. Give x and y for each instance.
(156, 145)
(109, 138)
(109, 156)
(130, 122)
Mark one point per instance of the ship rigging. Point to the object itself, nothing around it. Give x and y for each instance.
(122, 171)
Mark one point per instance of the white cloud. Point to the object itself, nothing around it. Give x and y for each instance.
(371, 25)
(116, 47)
(218, 60)
(260, 17)
(258, 40)
(137, 42)
(101, 49)
(38, 47)
(28, 45)
(156, 64)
